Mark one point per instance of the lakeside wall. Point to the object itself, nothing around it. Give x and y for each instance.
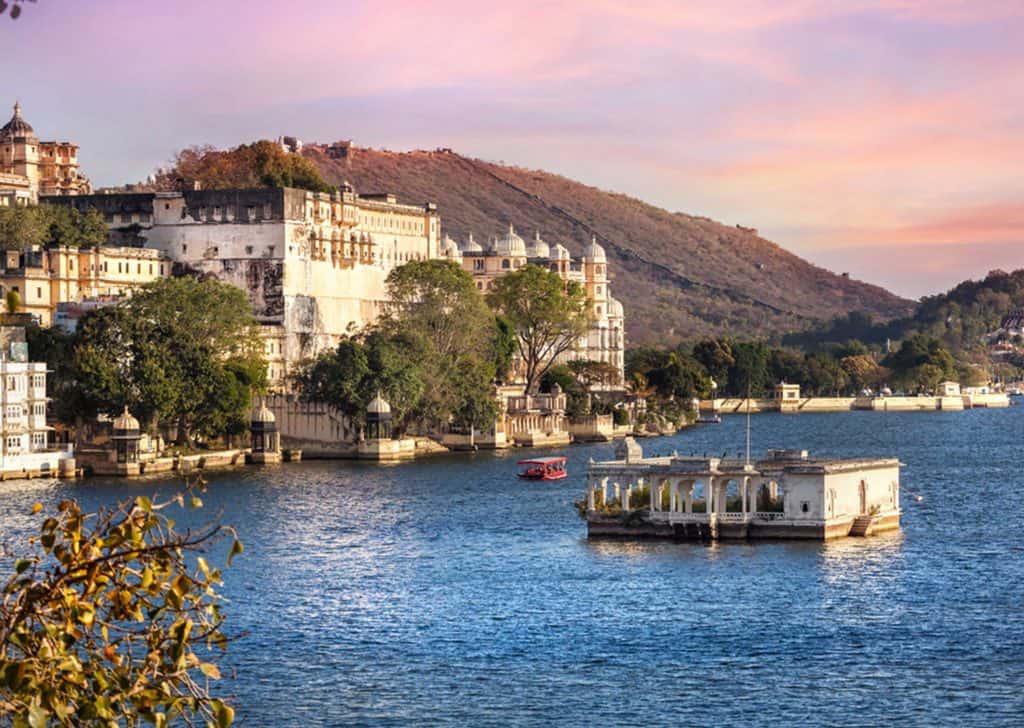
(738, 405)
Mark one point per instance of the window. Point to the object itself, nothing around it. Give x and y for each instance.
(12, 383)
(39, 292)
(184, 248)
(151, 269)
(38, 440)
(13, 443)
(478, 265)
(805, 507)
(505, 264)
(598, 289)
(161, 269)
(248, 250)
(39, 409)
(13, 412)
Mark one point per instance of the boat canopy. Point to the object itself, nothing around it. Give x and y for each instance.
(542, 461)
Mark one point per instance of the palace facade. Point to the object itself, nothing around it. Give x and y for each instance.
(30, 168)
(604, 341)
(44, 278)
(313, 264)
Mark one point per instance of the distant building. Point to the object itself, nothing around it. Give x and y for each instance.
(30, 168)
(25, 447)
(605, 340)
(44, 278)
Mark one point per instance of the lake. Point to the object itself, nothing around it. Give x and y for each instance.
(448, 592)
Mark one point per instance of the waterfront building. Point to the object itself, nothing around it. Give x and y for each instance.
(313, 264)
(30, 168)
(46, 278)
(605, 339)
(25, 447)
(787, 494)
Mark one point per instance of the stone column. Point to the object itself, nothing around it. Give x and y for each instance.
(591, 504)
(673, 496)
(655, 501)
(626, 493)
(709, 495)
(689, 496)
(618, 493)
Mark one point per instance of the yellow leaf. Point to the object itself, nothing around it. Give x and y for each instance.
(37, 507)
(210, 670)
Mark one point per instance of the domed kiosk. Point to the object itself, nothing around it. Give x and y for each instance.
(265, 439)
(126, 436)
(379, 444)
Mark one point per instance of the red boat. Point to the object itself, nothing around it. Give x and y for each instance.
(542, 469)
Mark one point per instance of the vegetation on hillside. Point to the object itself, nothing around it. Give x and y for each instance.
(960, 318)
(113, 618)
(679, 277)
(260, 164)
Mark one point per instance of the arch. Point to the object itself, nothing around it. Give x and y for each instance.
(733, 496)
(699, 497)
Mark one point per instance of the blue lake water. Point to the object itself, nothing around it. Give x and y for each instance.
(449, 592)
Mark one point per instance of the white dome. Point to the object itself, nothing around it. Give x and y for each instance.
(449, 248)
(594, 252)
(471, 246)
(561, 252)
(614, 308)
(125, 421)
(378, 406)
(510, 244)
(262, 414)
(538, 248)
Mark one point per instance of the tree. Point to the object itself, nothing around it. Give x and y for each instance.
(548, 316)
(680, 379)
(12, 300)
(180, 351)
(717, 359)
(113, 618)
(67, 226)
(21, 227)
(260, 164)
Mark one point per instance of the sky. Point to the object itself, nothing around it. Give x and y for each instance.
(884, 138)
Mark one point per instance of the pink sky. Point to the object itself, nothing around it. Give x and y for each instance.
(879, 137)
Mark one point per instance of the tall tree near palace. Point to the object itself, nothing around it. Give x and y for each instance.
(181, 351)
(548, 316)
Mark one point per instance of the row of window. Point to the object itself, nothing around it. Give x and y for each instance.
(16, 383)
(17, 411)
(13, 442)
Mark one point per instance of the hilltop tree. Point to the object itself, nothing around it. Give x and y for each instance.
(260, 164)
(547, 314)
(26, 227)
(113, 618)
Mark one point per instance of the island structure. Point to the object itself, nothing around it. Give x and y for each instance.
(785, 495)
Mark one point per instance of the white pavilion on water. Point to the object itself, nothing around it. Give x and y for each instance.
(787, 494)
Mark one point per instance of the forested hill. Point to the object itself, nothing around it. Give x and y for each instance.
(960, 318)
(680, 277)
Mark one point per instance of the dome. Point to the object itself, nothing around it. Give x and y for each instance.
(17, 126)
(561, 252)
(125, 422)
(262, 414)
(538, 248)
(378, 406)
(594, 252)
(471, 246)
(449, 248)
(614, 308)
(510, 244)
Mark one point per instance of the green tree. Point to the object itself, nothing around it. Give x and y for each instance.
(22, 227)
(67, 226)
(170, 352)
(717, 359)
(547, 314)
(113, 618)
(680, 379)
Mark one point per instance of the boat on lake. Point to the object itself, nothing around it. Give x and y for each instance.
(550, 468)
(711, 419)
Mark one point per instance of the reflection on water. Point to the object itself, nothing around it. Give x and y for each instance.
(450, 592)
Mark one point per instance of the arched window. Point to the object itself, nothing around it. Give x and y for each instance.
(505, 263)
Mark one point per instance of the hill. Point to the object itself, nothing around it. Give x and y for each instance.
(679, 276)
(960, 318)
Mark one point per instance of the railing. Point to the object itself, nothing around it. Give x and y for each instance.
(769, 516)
(732, 516)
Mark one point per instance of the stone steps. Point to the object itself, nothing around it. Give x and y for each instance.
(862, 525)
